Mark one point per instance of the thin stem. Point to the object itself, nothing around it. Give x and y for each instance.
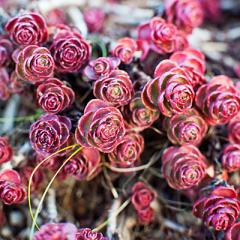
(152, 161)
(157, 130)
(47, 188)
(103, 49)
(113, 189)
(34, 171)
(121, 208)
(127, 170)
(156, 173)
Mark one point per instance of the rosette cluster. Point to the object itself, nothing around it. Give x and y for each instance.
(231, 157)
(70, 50)
(142, 197)
(218, 100)
(186, 128)
(161, 37)
(186, 14)
(101, 126)
(11, 189)
(183, 167)
(85, 165)
(115, 89)
(128, 151)
(171, 90)
(34, 64)
(125, 49)
(27, 29)
(219, 209)
(54, 96)
(6, 151)
(49, 133)
(117, 95)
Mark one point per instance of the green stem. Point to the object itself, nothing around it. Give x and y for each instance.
(34, 171)
(47, 188)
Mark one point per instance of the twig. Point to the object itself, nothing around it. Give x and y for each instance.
(113, 189)
(172, 225)
(118, 211)
(112, 224)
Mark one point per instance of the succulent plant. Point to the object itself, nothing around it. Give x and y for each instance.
(183, 167)
(34, 64)
(193, 63)
(101, 126)
(138, 115)
(125, 49)
(171, 91)
(160, 36)
(231, 157)
(142, 197)
(101, 67)
(219, 209)
(186, 128)
(70, 50)
(54, 96)
(85, 165)
(49, 133)
(27, 29)
(128, 151)
(186, 14)
(115, 89)
(11, 189)
(218, 100)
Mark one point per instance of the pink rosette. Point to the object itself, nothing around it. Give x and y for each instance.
(183, 167)
(53, 96)
(115, 89)
(219, 209)
(34, 64)
(218, 100)
(27, 29)
(101, 126)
